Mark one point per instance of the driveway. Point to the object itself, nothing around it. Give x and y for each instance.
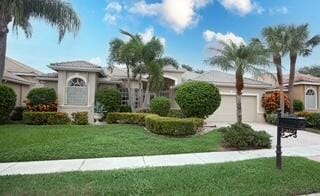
(304, 138)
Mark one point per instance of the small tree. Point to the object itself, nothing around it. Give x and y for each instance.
(271, 103)
(298, 105)
(160, 106)
(42, 96)
(198, 99)
(7, 103)
(110, 99)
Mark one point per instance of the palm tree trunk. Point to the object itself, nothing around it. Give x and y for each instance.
(3, 42)
(140, 91)
(278, 63)
(147, 93)
(129, 89)
(293, 60)
(239, 87)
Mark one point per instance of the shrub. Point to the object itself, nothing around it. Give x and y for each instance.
(198, 99)
(42, 96)
(271, 102)
(242, 136)
(144, 110)
(176, 113)
(316, 120)
(17, 113)
(80, 118)
(160, 106)
(298, 105)
(7, 101)
(272, 118)
(173, 126)
(46, 118)
(125, 108)
(110, 99)
(126, 118)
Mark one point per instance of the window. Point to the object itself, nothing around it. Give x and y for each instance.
(311, 99)
(77, 92)
(125, 97)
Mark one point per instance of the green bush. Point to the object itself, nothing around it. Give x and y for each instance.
(7, 102)
(160, 106)
(272, 118)
(309, 116)
(316, 120)
(42, 96)
(198, 99)
(126, 118)
(80, 118)
(110, 99)
(17, 113)
(144, 110)
(298, 105)
(46, 118)
(176, 113)
(125, 108)
(242, 136)
(173, 126)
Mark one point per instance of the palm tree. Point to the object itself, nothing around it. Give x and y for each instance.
(241, 59)
(276, 39)
(299, 44)
(57, 13)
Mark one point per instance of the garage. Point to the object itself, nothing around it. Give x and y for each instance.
(227, 110)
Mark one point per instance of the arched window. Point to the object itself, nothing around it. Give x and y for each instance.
(311, 99)
(77, 92)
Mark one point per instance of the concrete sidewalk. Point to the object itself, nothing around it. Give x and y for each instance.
(44, 167)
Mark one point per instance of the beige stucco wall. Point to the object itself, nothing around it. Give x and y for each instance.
(21, 92)
(51, 84)
(174, 76)
(63, 79)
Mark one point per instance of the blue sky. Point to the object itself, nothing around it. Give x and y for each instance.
(187, 27)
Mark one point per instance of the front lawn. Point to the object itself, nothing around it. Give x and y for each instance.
(30, 143)
(252, 177)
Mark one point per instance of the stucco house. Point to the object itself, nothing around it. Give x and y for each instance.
(76, 83)
(305, 88)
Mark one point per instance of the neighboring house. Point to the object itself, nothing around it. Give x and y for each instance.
(77, 82)
(21, 78)
(306, 88)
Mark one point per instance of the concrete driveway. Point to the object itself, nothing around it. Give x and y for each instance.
(304, 138)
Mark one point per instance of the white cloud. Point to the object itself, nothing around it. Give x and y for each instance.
(178, 14)
(149, 34)
(113, 10)
(241, 7)
(96, 60)
(211, 36)
(278, 10)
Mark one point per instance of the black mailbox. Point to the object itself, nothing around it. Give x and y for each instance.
(296, 123)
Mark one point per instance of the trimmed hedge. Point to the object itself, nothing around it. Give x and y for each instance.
(173, 126)
(242, 136)
(271, 118)
(126, 118)
(17, 113)
(46, 118)
(7, 101)
(80, 118)
(42, 96)
(198, 99)
(160, 106)
(110, 99)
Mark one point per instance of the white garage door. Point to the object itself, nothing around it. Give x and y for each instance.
(227, 110)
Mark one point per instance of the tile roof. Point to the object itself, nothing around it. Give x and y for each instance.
(222, 78)
(75, 64)
(17, 68)
(299, 77)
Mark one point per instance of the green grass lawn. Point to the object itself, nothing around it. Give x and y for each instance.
(29, 143)
(253, 177)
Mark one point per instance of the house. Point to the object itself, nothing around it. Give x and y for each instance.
(76, 83)
(305, 88)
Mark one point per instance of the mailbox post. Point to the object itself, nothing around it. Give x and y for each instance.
(287, 127)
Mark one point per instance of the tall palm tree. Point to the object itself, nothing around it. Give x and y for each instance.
(276, 39)
(57, 13)
(241, 59)
(299, 44)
